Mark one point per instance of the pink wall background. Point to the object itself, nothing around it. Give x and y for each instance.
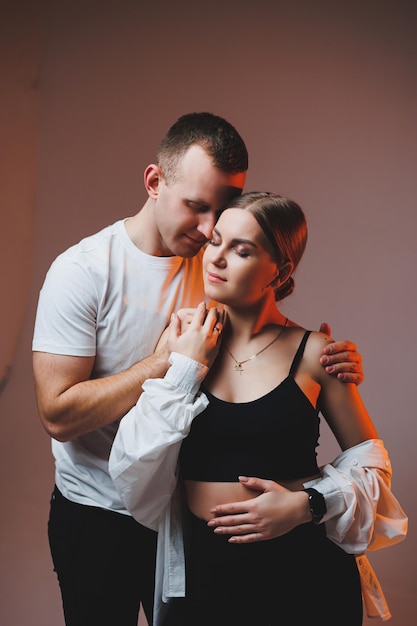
(324, 94)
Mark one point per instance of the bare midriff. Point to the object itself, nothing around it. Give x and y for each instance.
(204, 496)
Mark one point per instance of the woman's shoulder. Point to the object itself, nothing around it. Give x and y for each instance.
(313, 349)
(316, 340)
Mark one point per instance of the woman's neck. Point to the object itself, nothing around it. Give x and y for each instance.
(246, 323)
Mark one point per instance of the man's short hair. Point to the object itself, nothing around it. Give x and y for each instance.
(214, 134)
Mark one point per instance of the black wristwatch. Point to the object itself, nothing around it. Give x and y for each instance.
(317, 504)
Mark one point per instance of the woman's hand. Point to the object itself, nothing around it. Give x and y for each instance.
(273, 513)
(200, 338)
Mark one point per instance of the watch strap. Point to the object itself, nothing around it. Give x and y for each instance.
(317, 504)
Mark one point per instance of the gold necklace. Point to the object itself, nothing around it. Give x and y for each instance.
(238, 364)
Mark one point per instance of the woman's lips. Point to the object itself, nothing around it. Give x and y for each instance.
(214, 278)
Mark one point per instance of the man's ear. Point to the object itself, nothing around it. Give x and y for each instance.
(152, 177)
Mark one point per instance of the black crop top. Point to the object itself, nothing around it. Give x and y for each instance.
(273, 437)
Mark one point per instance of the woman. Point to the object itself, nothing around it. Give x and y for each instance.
(242, 399)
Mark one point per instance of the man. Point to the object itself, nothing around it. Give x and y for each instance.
(101, 311)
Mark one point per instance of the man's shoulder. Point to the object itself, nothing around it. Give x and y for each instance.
(100, 237)
(92, 244)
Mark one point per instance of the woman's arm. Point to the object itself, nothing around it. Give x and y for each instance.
(363, 513)
(144, 455)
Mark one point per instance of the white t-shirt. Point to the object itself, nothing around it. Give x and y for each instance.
(104, 297)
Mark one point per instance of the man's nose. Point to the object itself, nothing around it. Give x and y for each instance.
(206, 224)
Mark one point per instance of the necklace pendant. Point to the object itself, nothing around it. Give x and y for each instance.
(238, 364)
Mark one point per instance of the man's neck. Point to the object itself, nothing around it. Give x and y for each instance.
(143, 232)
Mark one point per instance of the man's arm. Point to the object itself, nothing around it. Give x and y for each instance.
(71, 404)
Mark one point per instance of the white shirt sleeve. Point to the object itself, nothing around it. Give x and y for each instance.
(362, 512)
(144, 456)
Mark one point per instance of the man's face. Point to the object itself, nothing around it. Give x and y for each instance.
(187, 209)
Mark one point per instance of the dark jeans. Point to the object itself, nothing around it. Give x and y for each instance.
(105, 563)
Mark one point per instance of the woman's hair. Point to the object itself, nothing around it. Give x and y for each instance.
(215, 135)
(284, 225)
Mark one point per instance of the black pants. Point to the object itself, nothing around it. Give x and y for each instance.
(105, 563)
(295, 580)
